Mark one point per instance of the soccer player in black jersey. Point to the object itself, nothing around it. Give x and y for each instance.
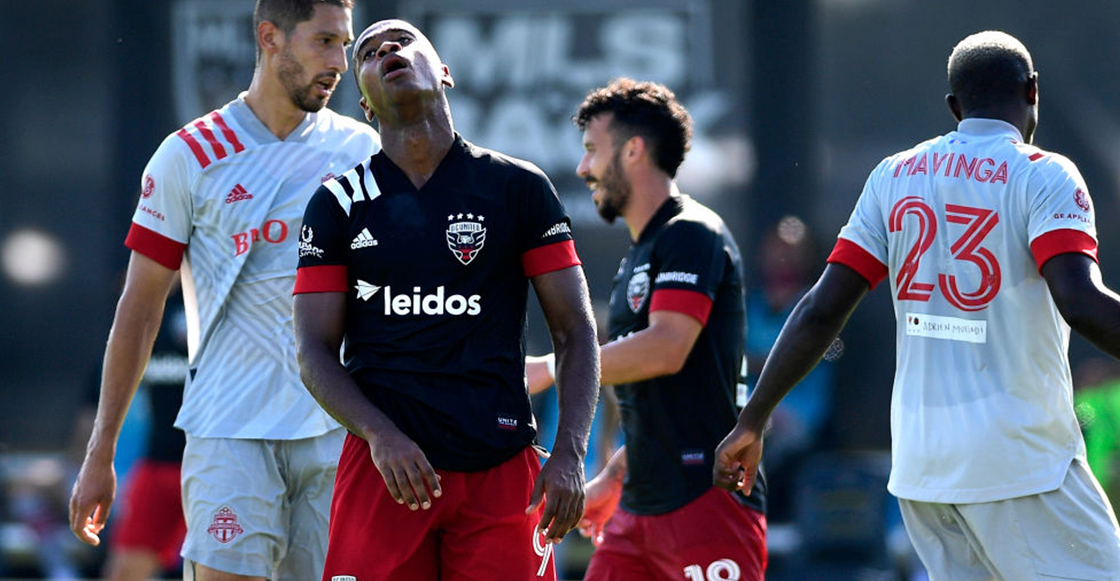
(421, 259)
(675, 355)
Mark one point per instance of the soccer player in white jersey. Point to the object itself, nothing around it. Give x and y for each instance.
(990, 248)
(221, 202)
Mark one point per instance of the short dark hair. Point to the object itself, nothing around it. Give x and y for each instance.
(286, 14)
(988, 68)
(646, 109)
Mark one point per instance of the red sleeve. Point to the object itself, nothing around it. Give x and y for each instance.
(156, 246)
(549, 257)
(321, 279)
(694, 304)
(863, 262)
(1057, 242)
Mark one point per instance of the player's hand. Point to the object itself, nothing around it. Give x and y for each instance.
(737, 459)
(91, 499)
(603, 494)
(407, 473)
(536, 372)
(560, 487)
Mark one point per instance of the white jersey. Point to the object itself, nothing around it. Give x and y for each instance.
(225, 197)
(982, 405)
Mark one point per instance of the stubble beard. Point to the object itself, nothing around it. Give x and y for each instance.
(291, 74)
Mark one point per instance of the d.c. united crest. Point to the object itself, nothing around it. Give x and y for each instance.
(465, 236)
(636, 290)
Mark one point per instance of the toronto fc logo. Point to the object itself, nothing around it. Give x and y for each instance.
(224, 527)
(465, 236)
(637, 290)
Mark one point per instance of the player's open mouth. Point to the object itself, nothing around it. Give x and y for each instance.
(392, 64)
(326, 87)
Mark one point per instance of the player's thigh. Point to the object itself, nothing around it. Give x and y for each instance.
(489, 537)
(310, 467)
(1068, 533)
(712, 538)
(372, 537)
(234, 504)
(948, 549)
(620, 557)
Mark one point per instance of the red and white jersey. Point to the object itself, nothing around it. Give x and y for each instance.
(224, 197)
(982, 405)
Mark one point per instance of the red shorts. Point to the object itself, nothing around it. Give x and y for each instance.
(151, 512)
(477, 530)
(709, 539)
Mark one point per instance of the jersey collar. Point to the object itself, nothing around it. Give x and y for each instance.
(669, 208)
(989, 127)
(260, 132)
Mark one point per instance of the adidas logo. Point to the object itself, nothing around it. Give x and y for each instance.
(237, 194)
(363, 240)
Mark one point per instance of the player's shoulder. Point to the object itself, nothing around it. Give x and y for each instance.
(206, 140)
(694, 220)
(332, 120)
(353, 186)
(1042, 160)
(504, 163)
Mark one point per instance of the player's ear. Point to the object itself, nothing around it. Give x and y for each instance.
(447, 80)
(954, 106)
(269, 38)
(366, 109)
(1032, 89)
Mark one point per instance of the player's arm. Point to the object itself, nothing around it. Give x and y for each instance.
(670, 335)
(320, 324)
(1090, 308)
(810, 329)
(566, 304)
(135, 325)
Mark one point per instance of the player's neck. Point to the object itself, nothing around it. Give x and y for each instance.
(646, 197)
(418, 149)
(273, 107)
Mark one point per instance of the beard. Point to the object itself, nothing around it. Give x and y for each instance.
(616, 190)
(302, 95)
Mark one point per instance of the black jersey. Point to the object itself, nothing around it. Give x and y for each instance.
(437, 282)
(686, 261)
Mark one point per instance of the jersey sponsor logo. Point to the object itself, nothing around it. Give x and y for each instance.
(558, 228)
(366, 290)
(507, 423)
(363, 240)
(152, 212)
(149, 186)
(637, 290)
(434, 303)
(224, 528)
(951, 328)
(955, 165)
(305, 247)
(674, 276)
(1082, 199)
(465, 237)
(272, 231)
(692, 457)
(237, 194)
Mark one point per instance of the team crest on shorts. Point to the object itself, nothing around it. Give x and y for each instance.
(637, 290)
(465, 236)
(224, 527)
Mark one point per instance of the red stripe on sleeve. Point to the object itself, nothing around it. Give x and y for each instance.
(228, 133)
(156, 246)
(321, 279)
(195, 146)
(204, 131)
(863, 262)
(1036, 156)
(692, 303)
(549, 257)
(1057, 242)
